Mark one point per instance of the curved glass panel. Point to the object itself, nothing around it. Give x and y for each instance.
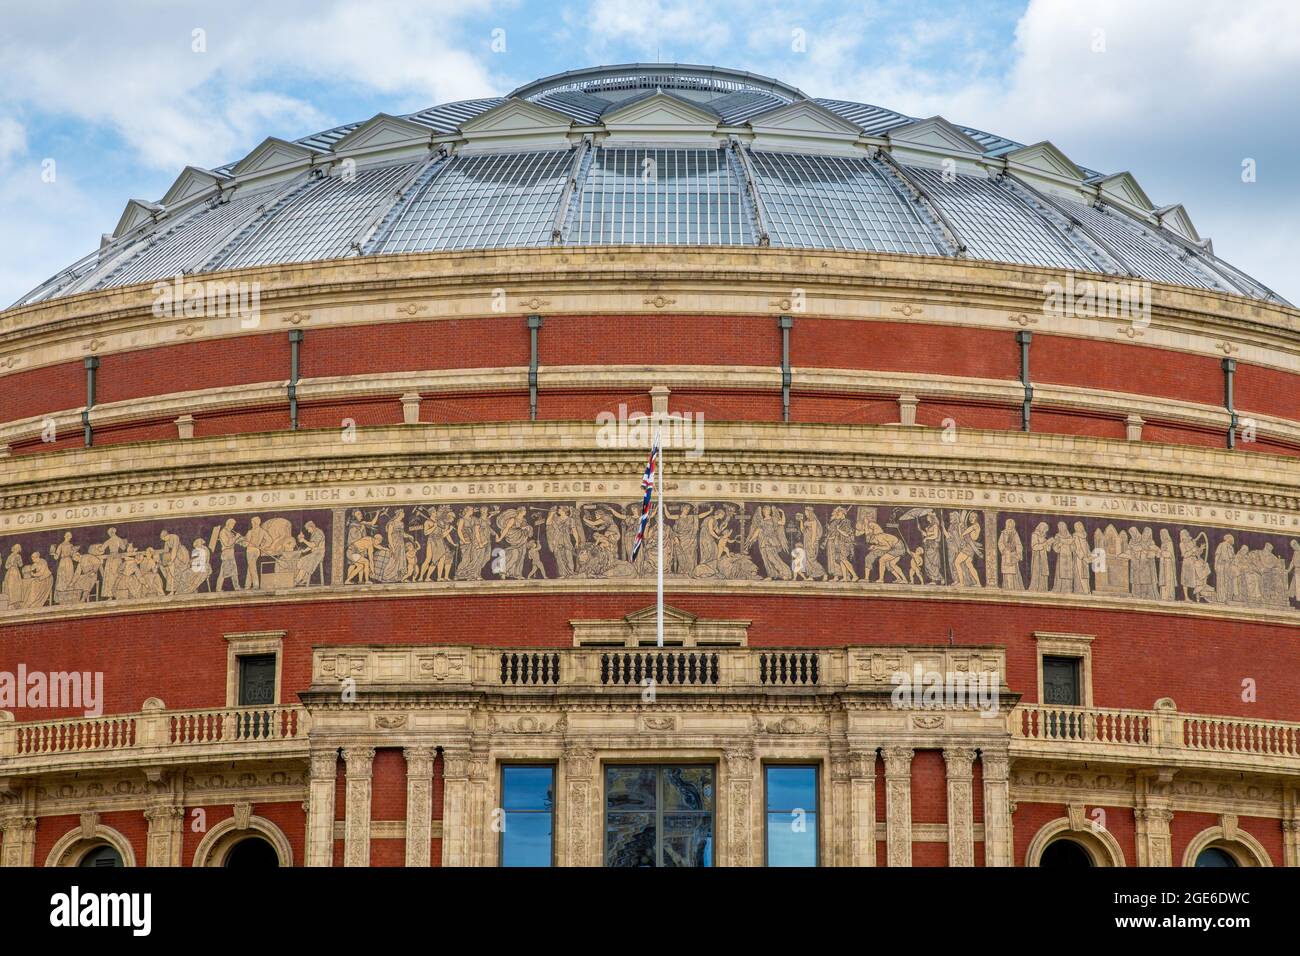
(995, 226)
(660, 197)
(483, 202)
(835, 202)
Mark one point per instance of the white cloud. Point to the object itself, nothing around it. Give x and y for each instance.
(13, 140)
(131, 67)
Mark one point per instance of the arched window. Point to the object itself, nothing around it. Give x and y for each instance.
(102, 855)
(1065, 853)
(252, 853)
(1213, 856)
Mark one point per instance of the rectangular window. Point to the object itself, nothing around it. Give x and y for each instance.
(659, 816)
(1061, 688)
(256, 680)
(1061, 681)
(791, 807)
(528, 803)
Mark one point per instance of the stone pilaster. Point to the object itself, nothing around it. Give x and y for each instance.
(1291, 829)
(1291, 842)
(995, 765)
(419, 804)
(1154, 846)
(862, 808)
(19, 835)
(455, 806)
(958, 762)
(1153, 814)
(898, 806)
(741, 766)
(356, 823)
(579, 847)
(166, 835)
(320, 807)
(836, 838)
(479, 815)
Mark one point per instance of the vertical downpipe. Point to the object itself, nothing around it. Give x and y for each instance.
(785, 323)
(534, 323)
(92, 365)
(295, 343)
(1024, 338)
(1229, 367)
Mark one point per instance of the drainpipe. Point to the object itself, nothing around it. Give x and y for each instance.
(1229, 367)
(295, 343)
(785, 323)
(1024, 338)
(534, 323)
(92, 365)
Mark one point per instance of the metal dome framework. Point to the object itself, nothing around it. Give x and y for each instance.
(653, 154)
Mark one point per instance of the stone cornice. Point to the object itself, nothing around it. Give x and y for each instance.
(734, 451)
(735, 281)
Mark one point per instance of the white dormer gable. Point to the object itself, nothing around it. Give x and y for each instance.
(384, 133)
(191, 183)
(1175, 219)
(802, 124)
(1123, 190)
(929, 142)
(273, 156)
(136, 213)
(1044, 159)
(935, 133)
(517, 122)
(660, 116)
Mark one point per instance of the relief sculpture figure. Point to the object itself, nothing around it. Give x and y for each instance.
(1010, 553)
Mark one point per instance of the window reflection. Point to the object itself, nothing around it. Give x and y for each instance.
(791, 803)
(528, 802)
(659, 816)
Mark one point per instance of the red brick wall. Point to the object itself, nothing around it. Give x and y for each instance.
(130, 823)
(640, 340)
(1122, 367)
(388, 785)
(1185, 826)
(929, 804)
(929, 787)
(1029, 818)
(180, 655)
(903, 347)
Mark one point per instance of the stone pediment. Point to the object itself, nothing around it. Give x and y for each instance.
(681, 629)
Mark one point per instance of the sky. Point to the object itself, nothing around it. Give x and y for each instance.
(101, 102)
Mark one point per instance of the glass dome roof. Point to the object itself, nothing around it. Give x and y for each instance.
(653, 154)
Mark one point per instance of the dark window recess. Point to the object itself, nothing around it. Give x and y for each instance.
(1061, 681)
(103, 855)
(257, 680)
(1065, 854)
(1061, 689)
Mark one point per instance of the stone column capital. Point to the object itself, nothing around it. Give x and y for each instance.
(898, 761)
(959, 761)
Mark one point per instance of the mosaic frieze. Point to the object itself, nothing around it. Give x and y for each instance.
(164, 559)
(784, 540)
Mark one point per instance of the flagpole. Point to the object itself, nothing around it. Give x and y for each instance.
(659, 482)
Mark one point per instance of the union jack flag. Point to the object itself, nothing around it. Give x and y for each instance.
(648, 483)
